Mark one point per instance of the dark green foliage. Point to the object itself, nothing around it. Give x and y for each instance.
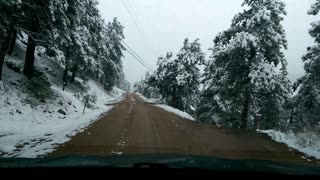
(39, 87)
(71, 31)
(304, 108)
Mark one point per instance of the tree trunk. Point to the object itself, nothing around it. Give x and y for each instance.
(12, 41)
(3, 49)
(245, 112)
(5, 36)
(268, 122)
(2, 56)
(257, 122)
(97, 76)
(174, 100)
(65, 78)
(247, 100)
(31, 47)
(74, 72)
(291, 117)
(29, 60)
(66, 70)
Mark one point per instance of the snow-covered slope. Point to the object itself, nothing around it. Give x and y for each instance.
(29, 130)
(307, 143)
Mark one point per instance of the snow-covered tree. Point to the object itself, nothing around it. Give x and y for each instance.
(112, 63)
(84, 44)
(71, 31)
(69, 34)
(306, 104)
(144, 87)
(188, 61)
(178, 80)
(242, 83)
(122, 83)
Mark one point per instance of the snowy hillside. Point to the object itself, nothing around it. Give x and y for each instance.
(31, 128)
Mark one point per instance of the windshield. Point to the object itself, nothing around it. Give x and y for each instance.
(228, 79)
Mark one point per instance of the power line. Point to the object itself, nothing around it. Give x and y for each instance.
(138, 25)
(134, 14)
(136, 56)
(134, 20)
(133, 53)
(139, 60)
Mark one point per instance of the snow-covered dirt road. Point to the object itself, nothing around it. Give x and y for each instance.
(138, 127)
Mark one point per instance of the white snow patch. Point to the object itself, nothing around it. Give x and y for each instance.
(176, 112)
(168, 108)
(146, 99)
(307, 142)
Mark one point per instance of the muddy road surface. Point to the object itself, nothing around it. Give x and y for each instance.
(137, 127)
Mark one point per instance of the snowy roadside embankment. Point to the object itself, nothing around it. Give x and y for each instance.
(168, 108)
(27, 131)
(307, 143)
(175, 111)
(146, 99)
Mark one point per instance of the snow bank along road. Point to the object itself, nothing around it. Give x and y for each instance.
(137, 127)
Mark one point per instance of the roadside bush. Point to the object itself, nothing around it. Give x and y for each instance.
(90, 100)
(39, 87)
(13, 66)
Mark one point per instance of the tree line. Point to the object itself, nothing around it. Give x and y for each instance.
(245, 82)
(71, 31)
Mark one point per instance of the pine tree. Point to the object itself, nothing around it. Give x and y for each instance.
(178, 80)
(8, 10)
(84, 44)
(35, 15)
(27, 16)
(306, 103)
(188, 61)
(112, 61)
(71, 31)
(242, 84)
(144, 87)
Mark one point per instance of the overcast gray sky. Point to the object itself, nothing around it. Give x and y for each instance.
(166, 23)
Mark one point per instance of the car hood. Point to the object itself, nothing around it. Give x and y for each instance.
(164, 161)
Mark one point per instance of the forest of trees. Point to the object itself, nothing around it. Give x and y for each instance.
(245, 82)
(71, 31)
